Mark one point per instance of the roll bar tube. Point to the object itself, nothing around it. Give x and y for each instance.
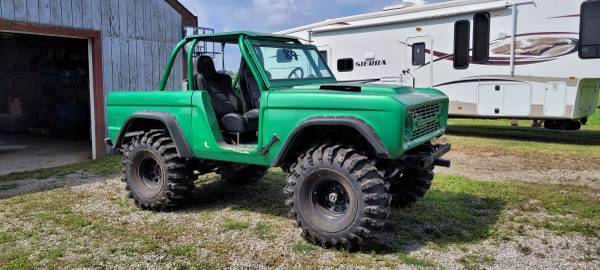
(249, 57)
(190, 66)
(170, 62)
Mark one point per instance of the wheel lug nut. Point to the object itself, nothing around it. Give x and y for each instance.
(333, 197)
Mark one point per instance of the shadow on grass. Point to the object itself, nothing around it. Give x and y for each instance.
(14, 188)
(441, 217)
(580, 137)
(40, 180)
(265, 196)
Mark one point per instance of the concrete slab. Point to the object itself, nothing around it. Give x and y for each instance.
(11, 147)
(41, 152)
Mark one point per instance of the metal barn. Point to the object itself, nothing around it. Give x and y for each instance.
(60, 58)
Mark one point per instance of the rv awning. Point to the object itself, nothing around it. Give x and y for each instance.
(432, 11)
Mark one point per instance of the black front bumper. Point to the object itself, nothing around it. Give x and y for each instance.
(427, 157)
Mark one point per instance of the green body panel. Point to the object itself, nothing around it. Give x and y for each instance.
(283, 108)
(383, 108)
(195, 117)
(121, 105)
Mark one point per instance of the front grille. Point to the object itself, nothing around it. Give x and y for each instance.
(424, 121)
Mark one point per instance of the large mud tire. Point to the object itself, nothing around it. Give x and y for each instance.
(155, 176)
(410, 187)
(337, 196)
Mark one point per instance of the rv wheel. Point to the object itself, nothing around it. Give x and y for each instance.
(562, 124)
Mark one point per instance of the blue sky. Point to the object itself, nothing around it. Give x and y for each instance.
(275, 15)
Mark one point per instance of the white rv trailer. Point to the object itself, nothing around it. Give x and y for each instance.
(529, 59)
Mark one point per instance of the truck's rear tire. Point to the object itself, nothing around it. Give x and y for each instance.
(155, 176)
(337, 196)
(410, 186)
(240, 174)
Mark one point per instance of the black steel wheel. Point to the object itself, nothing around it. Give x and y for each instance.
(337, 196)
(155, 176)
(329, 197)
(326, 195)
(150, 172)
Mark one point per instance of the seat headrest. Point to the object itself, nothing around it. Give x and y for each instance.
(206, 66)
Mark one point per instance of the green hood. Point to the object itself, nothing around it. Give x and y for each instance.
(406, 95)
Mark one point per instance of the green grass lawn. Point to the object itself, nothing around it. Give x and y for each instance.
(528, 142)
(498, 135)
(595, 119)
(99, 226)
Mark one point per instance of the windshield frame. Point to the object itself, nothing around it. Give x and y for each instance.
(288, 82)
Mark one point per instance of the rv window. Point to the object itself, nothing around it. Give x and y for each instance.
(462, 33)
(323, 64)
(418, 54)
(589, 34)
(481, 37)
(324, 55)
(345, 65)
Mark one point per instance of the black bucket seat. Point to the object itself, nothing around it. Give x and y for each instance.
(249, 86)
(227, 105)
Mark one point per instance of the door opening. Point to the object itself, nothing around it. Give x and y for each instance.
(45, 101)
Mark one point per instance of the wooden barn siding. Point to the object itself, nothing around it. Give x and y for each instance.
(137, 35)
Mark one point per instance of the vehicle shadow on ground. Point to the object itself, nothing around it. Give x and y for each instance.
(580, 137)
(441, 217)
(12, 188)
(265, 196)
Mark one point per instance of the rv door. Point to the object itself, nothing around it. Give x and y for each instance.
(418, 64)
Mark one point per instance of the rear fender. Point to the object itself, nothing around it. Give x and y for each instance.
(168, 120)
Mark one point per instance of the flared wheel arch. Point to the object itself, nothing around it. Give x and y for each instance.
(146, 120)
(295, 144)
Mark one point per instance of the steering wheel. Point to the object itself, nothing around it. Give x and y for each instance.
(296, 73)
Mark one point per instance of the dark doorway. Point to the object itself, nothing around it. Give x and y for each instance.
(44, 101)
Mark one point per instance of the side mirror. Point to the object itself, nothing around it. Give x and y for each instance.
(286, 56)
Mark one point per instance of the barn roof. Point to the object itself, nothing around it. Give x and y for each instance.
(188, 18)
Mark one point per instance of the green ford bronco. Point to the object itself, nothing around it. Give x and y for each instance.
(352, 150)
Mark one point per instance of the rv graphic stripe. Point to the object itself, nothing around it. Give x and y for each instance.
(530, 48)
